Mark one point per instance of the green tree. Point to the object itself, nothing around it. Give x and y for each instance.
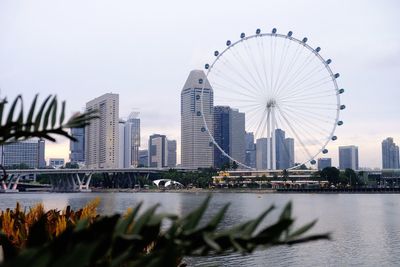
(71, 165)
(352, 176)
(331, 174)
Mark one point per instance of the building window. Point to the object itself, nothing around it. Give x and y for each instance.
(197, 97)
(198, 113)
(203, 129)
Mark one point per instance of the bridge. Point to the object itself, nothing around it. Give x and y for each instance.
(77, 180)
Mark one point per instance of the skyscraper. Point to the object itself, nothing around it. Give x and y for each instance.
(262, 155)
(158, 151)
(121, 143)
(229, 133)
(250, 150)
(197, 150)
(171, 153)
(77, 148)
(390, 154)
(324, 162)
(284, 151)
(102, 135)
(29, 153)
(221, 135)
(237, 135)
(348, 157)
(132, 140)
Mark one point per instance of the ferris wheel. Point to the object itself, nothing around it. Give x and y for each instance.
(280, 83)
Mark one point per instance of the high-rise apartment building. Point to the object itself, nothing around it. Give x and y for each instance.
(143, 158)
(77, 148)
(324, 162)
(29, 153)
(197, 150)
(102, 135)
(390, 154)
(348, 157)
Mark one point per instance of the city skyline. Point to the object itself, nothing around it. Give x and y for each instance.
(118, 56)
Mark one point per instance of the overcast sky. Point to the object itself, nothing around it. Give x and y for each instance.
(144, 50)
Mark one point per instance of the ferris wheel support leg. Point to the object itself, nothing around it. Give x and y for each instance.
(273, 150)
(269, 140)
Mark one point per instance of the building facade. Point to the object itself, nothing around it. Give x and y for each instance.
(262, 155)
(390, 154)
(56, 163)
(77, 148)
(29, 153)
(171, 153)
(157, 151)
(143, 158)
(250, 150)
(132, 140)
(348, 157)
(197, 150)
(121, 143)
(102, 135)
(324, 163)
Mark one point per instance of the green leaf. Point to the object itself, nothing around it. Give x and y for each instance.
(39, 115)
(29, 121)
(251, 227)
(46, 117)
(124, 222)
(54, 114)
(142, 220)
(192, 219)
(62, 115)
(12, 109)
(302, 230)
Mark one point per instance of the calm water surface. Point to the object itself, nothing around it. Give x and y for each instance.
(365, 228)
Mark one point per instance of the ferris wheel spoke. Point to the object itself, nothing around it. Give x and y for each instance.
(312, 95)
(300, 106)
(304, 79)
(282, 62)
(260, 46)
(307, 112)
(237, 93)
(300, 140)
(240, 60)
(310, 86)
(262, 119)
(296, 56)
(303, 131)
(303, 122)
(307, 59)
(251, 87)
(251, 56)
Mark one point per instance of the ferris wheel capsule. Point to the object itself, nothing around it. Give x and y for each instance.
(339, 123)
(206, 66)
(216, 53)
(289, 33)
(258, 31)
(325, 151)
(313, 162)
(341, 91)
(274, 30)
(334, 138)
(337, 75)
(328, 61)
(342, 107)
(305, 40)
(228, 43)
(242, 35)
(318, 49)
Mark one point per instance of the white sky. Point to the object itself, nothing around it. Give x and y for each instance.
(144, 51)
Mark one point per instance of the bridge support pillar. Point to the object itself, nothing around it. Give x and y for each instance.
(9, 185)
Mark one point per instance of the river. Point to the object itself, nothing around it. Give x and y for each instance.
(365, 228)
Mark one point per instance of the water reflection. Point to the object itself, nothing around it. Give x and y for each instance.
(365, 228)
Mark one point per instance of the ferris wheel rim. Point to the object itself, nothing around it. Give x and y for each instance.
(309, 48)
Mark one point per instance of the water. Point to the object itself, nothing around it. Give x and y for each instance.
(365, 227)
